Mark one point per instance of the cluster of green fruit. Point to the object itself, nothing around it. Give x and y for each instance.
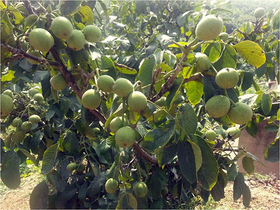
(140, 188)
(232, 133)
(220, 105)
(74, 166)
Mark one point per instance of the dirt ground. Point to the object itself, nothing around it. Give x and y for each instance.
(265, 193)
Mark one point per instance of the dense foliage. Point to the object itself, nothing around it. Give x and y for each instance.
(124, 110)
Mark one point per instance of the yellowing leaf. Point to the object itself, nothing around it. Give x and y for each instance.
(251, 52)
(8, 77)
(175, 45)
(3, 6)
(17, 14)
(86, 15)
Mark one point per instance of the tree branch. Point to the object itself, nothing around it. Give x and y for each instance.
(28, 6)
(144, 154)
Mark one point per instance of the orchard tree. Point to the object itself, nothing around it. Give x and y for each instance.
(133, 104)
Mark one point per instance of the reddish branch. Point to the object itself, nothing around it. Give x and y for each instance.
(144, 154)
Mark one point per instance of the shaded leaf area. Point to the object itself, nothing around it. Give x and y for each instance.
(212, 50)
(71, 144)
(10, 175)
(272, 152)
(232, 172)
(218, 191)
(127, 201)
(172, 92)
(167, 154)
(227, 59)
(63, 198)
(210, 88)
(156, 139)
(39, 196)
(240, 188)
(266, 103)
(252, 127)
(187, 119)
(108, 64)
(49, 158)
(68, 7)
(96, 185)
(247, 81)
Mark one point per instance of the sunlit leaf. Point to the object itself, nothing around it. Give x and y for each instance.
(194, 91)
(86, 15)
(49, 158)
(176, 46)
(8, 77)
(17, 14)
(266, 103)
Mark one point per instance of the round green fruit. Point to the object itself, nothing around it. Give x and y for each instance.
(26, 126)
(111, 185)
(137, 101)
(223, 36)
(125, 137)
(240, 113)
(106, 83)
(7, 105)
(123, 87)
(117, 123)
(233, 132)
(17, 122)
(227, 78)
(61, 28)
(91, 99)
(40, 39)
(8, 93)
(210, 135)
(202, 62)
(90, 133)
(58, 82)
(161, 101)
(38, 97)
(92, 33)
(33, 91)
(259, 12)
(35, 53)
(81, 168)
(18, 136)
(217, 106)
(71, 167)
(140, 189)
(209, 27)
(34, 118)
(76, 41)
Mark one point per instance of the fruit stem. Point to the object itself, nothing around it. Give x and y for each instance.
(215, 70)
(231, 101)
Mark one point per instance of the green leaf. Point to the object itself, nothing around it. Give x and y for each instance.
(17, 14)
(146, 72)
(68, 7)
(227, 58)
(197, 155)
(248, 164)
(95, 186)
(251, 52)
(108, 64)
(271, 128)
(31, 157)
(252, 128)
(10, 175)
(187, 119)
(181, 19)
(272, 151)
(275, 20)
(103, 6)
(40, 75)
(159, 137)
(266, 103)
(132, 202)
(8, 77)
(247, 81)
(212, 50)
(194, 92)
(261, 70)
(208, 173)
(218, 191)
(49, 158)
(232, 172)
(125, 69)
(238, 186)
(246, 196)
(36, 139)
(175, 88)
(167, 154)
(70, 143)
(186, 158)
(39, 196)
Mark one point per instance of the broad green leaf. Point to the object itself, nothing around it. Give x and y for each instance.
(187, 119)
(159, 137)
(210, 88)
(132, 201)
(181, 19)
(40, 75)
(95, 185)
(39, 196)
(63, 197)
(70, 144)
(227, 59)
(246, 196)
(86, 15)
(247, 81)
(251, 52)
(10, 175)
(104, 7)
(218, 191)
(57, 181)
(8, 77)
(261, 70)
(49, 159)
(108, 64)
(232, 172)
(271, 128)
(252, 127)
(17, 14)
(167, 154)
(197, 155)
(30, 156)
(186, 158)
(36, 139)
(212, 50)
(194, 91)
(238, 186)
(208, 173)
(272, 152)
(159, 56)
(125, 69)
(248, 164)
(173, 90)
(176, 46)
(69, 7)
(266, 103)
(146, 72)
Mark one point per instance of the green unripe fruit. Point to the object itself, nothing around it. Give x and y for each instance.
(77, 40)
(217, 106)
(30, 19)
(111, 185)
(137, 101)
(40, 39)
(210, 135)
(58, 82)
(223, 36)
(227, 78)
(202, 62)
(38, 97)
(106, 83)
(8, 93)
(35, 53)
(7, 105)
(125, 137)
(18, 136)
(33, 91)
(90, 133)
(34, 118)
(240, 113)
(140, 189)
(259, 12)
(117, 123)
(26, 126)
(92, 33)
(233, 132)
(81, 168)
(91, 99)
(17, 122)
(161, 101)
(122, 87)
(71, 167)
(61, 27)
(209, 27)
